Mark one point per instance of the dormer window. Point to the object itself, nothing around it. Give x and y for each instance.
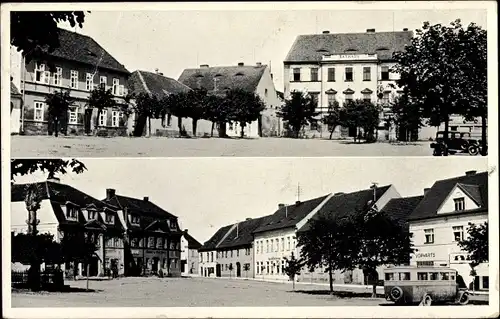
(92, 214)
(110, 218)
(134, 219)
(71, 212)
(459, 204)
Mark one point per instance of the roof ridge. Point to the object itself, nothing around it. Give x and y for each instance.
(143, 82)
(354, 33)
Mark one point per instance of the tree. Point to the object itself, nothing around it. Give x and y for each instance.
(293, 267)
(146, 106)
(476, 245)
(246, 269)
(197, 100)
(219, 112)
(101, 99)
(25, 247)
(379, 240)
(58, 103)
(327, 244)
(52, 166)
(178, 105)
(246, 107)
(334, 117)
(406, 117)
(36, 34)
(230, 270)
(444, 71)
(298, 111)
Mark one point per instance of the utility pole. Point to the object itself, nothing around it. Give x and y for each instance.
(298, 192)
(374, 186)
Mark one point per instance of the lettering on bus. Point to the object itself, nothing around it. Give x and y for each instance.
(425, 255)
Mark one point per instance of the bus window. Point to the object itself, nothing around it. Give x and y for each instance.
(434, 276)
(444, 276)
(389, 276)
(404, 276)
(452, 276)
(422, 276)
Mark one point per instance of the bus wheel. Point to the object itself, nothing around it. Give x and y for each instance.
(426, 301)
(464, 299)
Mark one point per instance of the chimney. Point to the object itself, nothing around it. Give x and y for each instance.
(110, 193)
(326, 32)
(146, 198)
(426, 190)
(297, 202)
(241, 64)
(405, 29)
(370, 30)
(281, 206)
(258, 64)
(185, 231)
(204, 66)
(470, 173)
(157, 70)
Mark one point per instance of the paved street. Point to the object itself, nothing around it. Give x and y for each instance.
(79, 146)
(186, 292)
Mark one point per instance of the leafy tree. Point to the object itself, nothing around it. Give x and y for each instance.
(219, 112)
(298, 111)
(293, 267)
(327, 244)
(246, 269)
(197, 100)
(58, 103)
(334, 117)
(444, 71)
(36, 34)
(476, 244)
(101, 99)
(178, 105)
(51, 166)
(406, 117)
(362, 114)
(146, 106)
(25, 247)
(246, 107)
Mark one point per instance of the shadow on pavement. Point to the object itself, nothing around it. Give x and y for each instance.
(66, 289)
(339, 294)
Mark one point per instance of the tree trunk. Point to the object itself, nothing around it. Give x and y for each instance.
(88, 268)
(212, 131)
(484, 142)
(293, 283)
(149, 126)
(331, 133)
(56, 125)
(195, 125)
(374, 289)
(97, 118)
(179, 125)
(330, 275)
(242, 132)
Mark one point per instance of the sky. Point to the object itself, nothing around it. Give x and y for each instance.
(174, 40)
(208, 193)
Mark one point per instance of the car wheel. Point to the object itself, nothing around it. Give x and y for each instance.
(473, 150)
(396, 293)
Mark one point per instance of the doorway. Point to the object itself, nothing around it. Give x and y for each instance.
(218, 270)
(87, 120)
(238, 269)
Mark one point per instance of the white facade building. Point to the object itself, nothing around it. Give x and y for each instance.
(441, 220)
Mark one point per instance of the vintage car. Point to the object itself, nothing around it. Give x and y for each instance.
(423, 285)
(458, 142)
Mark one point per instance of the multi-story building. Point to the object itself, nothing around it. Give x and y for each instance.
(152, 236)
(252, 78)
(442, 219)
(66, 211)
(77, 66)
(342, 67)
(15, 108)
(208, 252)
(189, 255)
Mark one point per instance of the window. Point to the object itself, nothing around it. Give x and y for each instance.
(116, 84)
(288, 243)
(422, 276)
(71, 212)
(89, 82)
(39, 109)
(267, 246)
(151, 242)
(458, 233)
(347, 98)
(225, 254)
(159, 243)
(74, 79)
(121, 90)
(40, 72)
(404, 276)
(296, 75)
(282, 244)
(314, 99)
(426, 263)
(459, 204)
(103, 117)
(272, 245)
(212, 256)
(103, 81)
(444, 276)
(314, 74)
(429, 235)
(331, 74)
(385, 98)
(134, 219)
(389, 276)
(135, 242)
(110, 218)
(201, 257)
(73, 115)
(331, 99)
(58, 76)
(434, 276)
(92, 214)
(282, 266)
(265, 92)
(257, 245)
(237, 253)
(115, 118)
(349, 74)
(116, 242)
(385, 73)
(367, 73)
(367, 97)
(486, 282)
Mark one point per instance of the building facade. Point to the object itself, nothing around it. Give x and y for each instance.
(189, 255)
(15, 108)
(441, 220)
(208, 252)
(78, 66)
(252, 78)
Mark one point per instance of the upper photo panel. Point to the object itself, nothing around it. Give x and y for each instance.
(207, 83)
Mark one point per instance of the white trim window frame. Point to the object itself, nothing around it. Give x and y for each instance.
(103, 118)
(115, 118)
(57, 77)
(73, 115)
(116, 84)
(39, 108)
(103, 80)
(39, 72)
(73, 82)
(89, 82)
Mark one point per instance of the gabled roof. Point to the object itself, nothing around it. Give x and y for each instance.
(227, 77)
(84, 49)
(192, 243)
(290, 215)
(344, 204)
(215, 239)
(13, 89)
(153, 83)
(441, 189)
(242, 234)
(139, 206)
(311, 48)
(399, 209)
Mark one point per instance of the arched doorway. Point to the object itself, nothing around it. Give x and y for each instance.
(238, 269)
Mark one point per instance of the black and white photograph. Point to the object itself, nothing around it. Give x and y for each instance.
(250, 159)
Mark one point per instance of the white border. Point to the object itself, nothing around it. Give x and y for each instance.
(256, 312)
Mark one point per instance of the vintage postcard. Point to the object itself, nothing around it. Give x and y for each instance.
(363, 149)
